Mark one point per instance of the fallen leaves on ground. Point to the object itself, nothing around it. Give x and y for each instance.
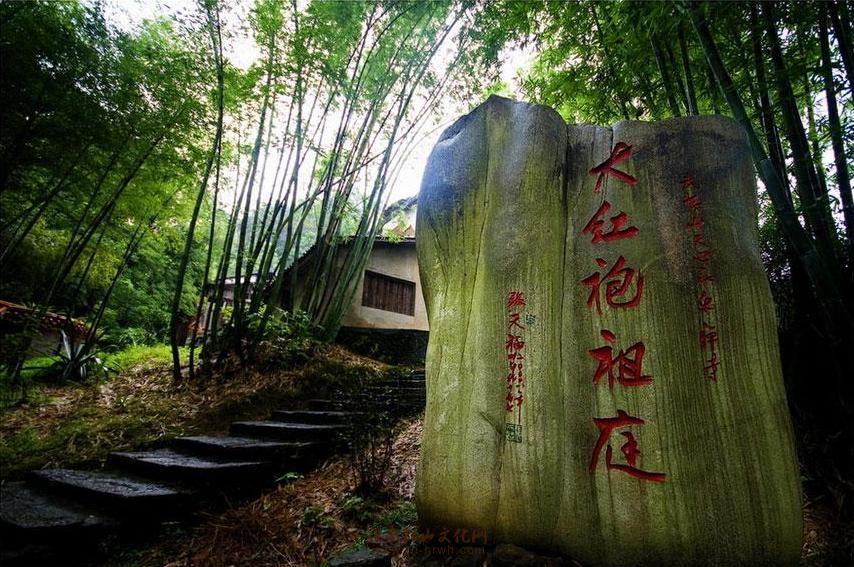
(302, 523)
(74, 424)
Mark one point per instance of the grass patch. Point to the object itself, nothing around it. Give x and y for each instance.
(401, 516)
(144, 357)
(74, 424)
(35, 365)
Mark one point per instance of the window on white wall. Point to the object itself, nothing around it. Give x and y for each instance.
(389, 294)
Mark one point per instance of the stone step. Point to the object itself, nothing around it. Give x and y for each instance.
(409, 380)
(368, 402)
(331, 417)
(30, 514)
(390, 391)
(182, 467)
(397, 390)
(286, 430)
(419, 384)
(121, 494)
(247, 448)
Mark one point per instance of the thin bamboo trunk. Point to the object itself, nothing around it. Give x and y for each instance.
(693, 109)
(844, 40)
(814, 202)
(829, 294)
(843, 179)
(213, 157)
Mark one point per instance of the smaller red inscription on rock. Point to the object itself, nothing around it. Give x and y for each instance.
(515, 321)
(514, 345)
(515, 299)
(702, 258)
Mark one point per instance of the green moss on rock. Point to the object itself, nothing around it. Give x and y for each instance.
(506, 196)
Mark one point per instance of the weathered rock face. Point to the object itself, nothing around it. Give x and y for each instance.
(603, 376)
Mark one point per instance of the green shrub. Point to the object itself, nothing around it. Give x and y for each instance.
(314, 516)
(357, 509)
(403, 516)
(119, 339)
(287, 339)
(76, 361)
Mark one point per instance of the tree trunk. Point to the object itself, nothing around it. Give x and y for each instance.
(769, 126)
(829, 294)
(689, 79)
(665, 76)
(843, 38)
(213, 157)
(843, 180)
(815, 204)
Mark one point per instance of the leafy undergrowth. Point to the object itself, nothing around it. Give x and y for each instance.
(302, 523)
(74, 424)
(827, 540)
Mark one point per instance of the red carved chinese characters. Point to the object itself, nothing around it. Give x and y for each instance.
(619, 154)
(625, 367)
(630, 450)
(514, 347)
(702, 257)
(515, 299)
(596, 226)
(622, 288)
(618, 282)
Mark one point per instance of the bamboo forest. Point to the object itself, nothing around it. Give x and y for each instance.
(426, 282)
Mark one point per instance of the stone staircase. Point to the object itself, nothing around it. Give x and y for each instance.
(63, 513)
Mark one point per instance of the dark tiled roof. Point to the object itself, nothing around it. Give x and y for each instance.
(14, 312)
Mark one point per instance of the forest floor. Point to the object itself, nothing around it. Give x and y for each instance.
(79, 424)
(310, 520)
(304, 522)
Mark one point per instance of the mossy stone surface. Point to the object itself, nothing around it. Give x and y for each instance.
(505, 199)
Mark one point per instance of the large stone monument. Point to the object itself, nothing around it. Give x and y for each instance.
(603, 375)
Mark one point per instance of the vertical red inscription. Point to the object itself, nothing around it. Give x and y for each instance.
(514, 346)
(702, 257)
(623, 288)
(630, 451)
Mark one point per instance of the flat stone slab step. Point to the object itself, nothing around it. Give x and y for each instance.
(123, 492)
(246, 448)
(396, 390)
(373, 402)
(31, 513)
(324, 405)
(286, 430)
(173, 465)
(320, 417)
